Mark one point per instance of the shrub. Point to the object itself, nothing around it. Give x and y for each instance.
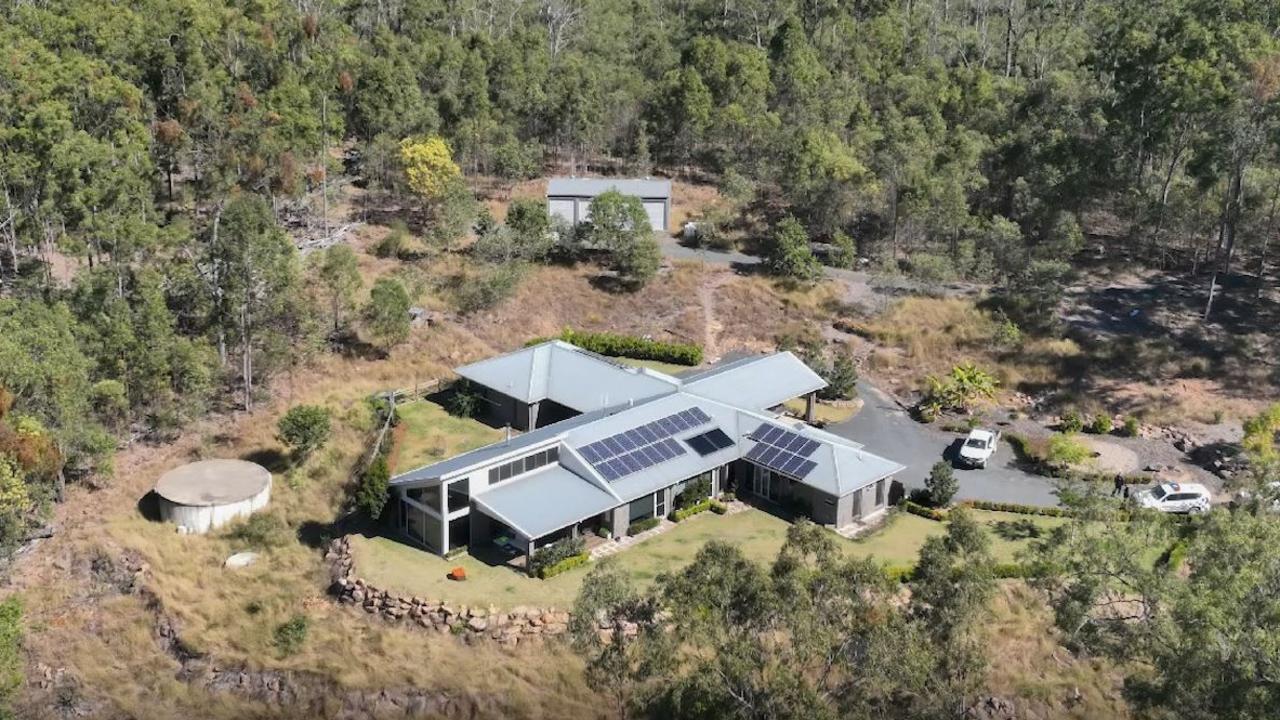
(1101, 424)
(1173, 558)
(291, 634)
(374, 489)
(1130, 428)
(304, 428)
(554, 554)
(262, 530)
(564, 565)
(1010, 571)
(690, 511)
(941, 484)
(463, 402)
(602, 532)
(1007, 334)
(787, 252)
(916, 508)
(387, 313)
(488, 288)
(718, 507)
(899, 573)
(455, 552)
(842, 379)
(394, 243)
(11, 660)
(641, 525)
(844, 253)
(959, 390)
(695, 493)
(1064, 450)
(628, 346)
(1071, 422)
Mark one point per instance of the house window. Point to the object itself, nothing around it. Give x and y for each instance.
(641, 508)
(528, 463)
(880, 493)
(459, 494)
(660, 504)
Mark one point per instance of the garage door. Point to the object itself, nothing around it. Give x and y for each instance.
(561, 209)
(657, 211)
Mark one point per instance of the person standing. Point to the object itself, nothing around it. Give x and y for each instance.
(1119, 485)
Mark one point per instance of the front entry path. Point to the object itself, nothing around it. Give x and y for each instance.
(886, 429)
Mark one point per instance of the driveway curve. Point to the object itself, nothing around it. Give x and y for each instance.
(886, 429)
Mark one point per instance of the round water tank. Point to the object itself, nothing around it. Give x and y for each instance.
(200, 496)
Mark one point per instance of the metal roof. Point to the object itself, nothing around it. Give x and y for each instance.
(757, 383)
(545, 501)
(517, 446)
(591, 187)
(568, 375)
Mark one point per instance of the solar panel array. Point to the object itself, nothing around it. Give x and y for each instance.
(644, 446)
(782, 451)
(709, 441)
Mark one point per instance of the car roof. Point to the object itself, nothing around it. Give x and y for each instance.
(1185, 487)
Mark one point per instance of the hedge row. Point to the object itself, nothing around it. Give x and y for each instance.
(1017, 508)
(926, 512)
(629, 346)
(640, 526)
(564, 565)
(703, 506)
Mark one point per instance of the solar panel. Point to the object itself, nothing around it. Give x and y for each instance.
(809, 447)
(700, 444)
(613, 446)
(675, 447)
(606, 471)
(641, 459)
(754, 453)
(790, 464)
(646, 434)
(806, 467)
(718, 439)
(627, 443)
(630, 463)
(773, 434)
(701, 416)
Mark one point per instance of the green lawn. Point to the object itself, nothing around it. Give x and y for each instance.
(395, 566)
(428, 433)
(664, 367)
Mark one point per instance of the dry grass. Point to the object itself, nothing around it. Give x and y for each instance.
(927, 336)
(1030, 667)
(825, 412)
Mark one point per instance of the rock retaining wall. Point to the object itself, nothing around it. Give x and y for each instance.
(507, 627)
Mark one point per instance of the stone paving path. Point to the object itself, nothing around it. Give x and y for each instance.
(865, 525)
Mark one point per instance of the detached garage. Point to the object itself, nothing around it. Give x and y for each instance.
(570, 198)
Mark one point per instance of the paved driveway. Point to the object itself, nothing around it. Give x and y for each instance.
(886, 429)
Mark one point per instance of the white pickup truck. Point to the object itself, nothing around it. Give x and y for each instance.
(979, 447)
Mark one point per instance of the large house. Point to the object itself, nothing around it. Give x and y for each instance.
(607, 445)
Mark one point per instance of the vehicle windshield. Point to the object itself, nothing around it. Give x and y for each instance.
(1158, 492)
(976, 443)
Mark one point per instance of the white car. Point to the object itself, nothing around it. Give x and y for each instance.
(979, 447)
(1175, 498)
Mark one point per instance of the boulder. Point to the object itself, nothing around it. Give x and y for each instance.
(477, 624)
(240, 559)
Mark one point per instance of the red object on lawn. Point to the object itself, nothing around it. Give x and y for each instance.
(458, 573)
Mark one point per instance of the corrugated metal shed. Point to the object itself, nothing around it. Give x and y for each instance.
(591, 187)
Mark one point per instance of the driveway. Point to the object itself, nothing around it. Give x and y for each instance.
(862, 288)
(886, 429)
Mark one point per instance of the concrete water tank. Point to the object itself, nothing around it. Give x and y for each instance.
(200, 496)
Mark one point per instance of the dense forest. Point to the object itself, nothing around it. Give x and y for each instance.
(170, 148)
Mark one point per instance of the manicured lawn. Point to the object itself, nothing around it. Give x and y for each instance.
(390, 564)
(428, 433)
(823, 412)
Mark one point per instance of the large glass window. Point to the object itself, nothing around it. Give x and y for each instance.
(880, 493)
(641, 508)
(429, 496)
(459, 494)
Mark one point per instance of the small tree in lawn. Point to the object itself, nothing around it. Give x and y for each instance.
(429, 168)
(941, 484)
(387, 313)
(374, 489)
(788, 253)
(304, 428)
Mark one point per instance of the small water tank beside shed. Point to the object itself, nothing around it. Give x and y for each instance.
(203, 495)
